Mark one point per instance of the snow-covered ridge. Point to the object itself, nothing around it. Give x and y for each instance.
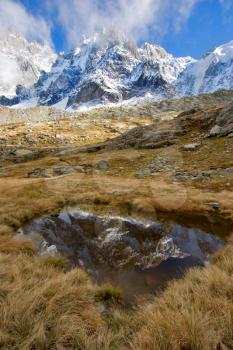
(21, 63)
(211, 73)
(108, 68)
(170, 66)
(105, 68)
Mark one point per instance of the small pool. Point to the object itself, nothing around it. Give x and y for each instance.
(138, 256)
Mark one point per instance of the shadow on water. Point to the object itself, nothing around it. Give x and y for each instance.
(140, 257)
(138, 282)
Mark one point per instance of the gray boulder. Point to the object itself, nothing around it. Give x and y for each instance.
(63, 170)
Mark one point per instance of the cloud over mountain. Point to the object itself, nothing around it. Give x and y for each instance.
(136, 18)
(71, 19)
(15, 18)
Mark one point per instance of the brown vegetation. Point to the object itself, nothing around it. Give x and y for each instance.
(42, 306)
(46, 306)
(196, 313)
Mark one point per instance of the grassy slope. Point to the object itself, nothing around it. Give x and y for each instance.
(44, 306)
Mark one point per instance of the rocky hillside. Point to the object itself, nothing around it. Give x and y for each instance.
(125, 199)
(146, 108)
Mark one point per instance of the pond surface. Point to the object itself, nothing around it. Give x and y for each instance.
(138, 256)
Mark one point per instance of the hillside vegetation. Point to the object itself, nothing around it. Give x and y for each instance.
(173, 166)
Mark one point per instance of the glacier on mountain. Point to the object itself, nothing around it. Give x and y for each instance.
(211, 73)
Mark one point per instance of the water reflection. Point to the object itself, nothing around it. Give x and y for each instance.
(138, 256)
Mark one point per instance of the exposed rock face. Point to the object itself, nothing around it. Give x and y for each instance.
(106, 68)
(225, 121)
(5, 101)
(92, 91)
(28, 115)
(215, 131)
(145, 137)
(38, 172)
(67, 170)
(217, 121)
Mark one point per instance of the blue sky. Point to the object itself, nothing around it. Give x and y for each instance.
(209, 25)
(182, 27)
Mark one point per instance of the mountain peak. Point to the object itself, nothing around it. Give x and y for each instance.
(106, 67)
(212, 72)
(224, 52)
(106, 38)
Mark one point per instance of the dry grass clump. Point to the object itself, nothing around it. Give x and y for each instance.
(9, 246)
(108, 293)
(42, 307)
(57, 262)
(193, 314)
(224, 258)
(6, 231)
(23, 201)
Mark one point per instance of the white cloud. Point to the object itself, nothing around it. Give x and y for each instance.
(15, 18)
(9, 76)
(137, 18)
(134, 17)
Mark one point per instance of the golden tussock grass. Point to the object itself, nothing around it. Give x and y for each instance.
(24, 199)
(9, 246)
(45, 306)
(42, 307)
(195, 313)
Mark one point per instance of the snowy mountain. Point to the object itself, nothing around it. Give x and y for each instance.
(213, 72)
(106, 68)
(21, 64)
(169, 66)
